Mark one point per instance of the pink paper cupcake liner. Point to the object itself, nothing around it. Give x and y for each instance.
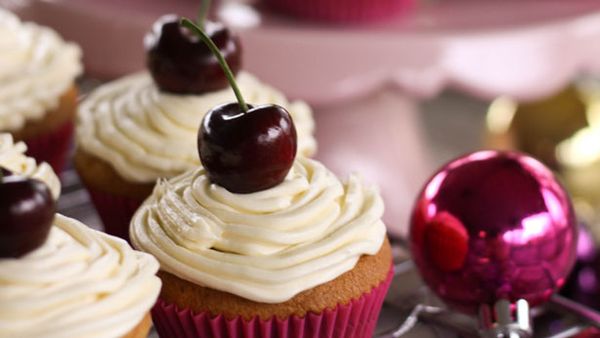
(52, 147)
(346, 11)
(114, 211)
(356, 319)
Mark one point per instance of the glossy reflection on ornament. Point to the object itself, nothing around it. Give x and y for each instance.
(493, 225)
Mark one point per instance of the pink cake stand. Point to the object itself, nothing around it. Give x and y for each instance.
(363, 80)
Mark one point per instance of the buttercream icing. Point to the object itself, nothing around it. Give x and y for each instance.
(36, 68)
(266, 246)
(13, 158)
(146, 134)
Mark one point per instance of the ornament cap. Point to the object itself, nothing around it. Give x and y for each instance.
(505, 320)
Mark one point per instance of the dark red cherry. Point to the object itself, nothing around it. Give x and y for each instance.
(181, 63)
(26, 214)
(247, 152)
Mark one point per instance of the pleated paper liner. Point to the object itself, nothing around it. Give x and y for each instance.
(52, 147)
(115, 211)
(357, 319)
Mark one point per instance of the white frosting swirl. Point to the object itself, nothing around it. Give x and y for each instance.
(80, 283)
(36, 68)
(147, 134)
(266, 246)
(13, 158)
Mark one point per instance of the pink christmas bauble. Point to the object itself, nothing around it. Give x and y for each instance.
(493, 225)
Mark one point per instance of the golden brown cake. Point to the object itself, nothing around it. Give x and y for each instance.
(142, 329)
(101, 176)
(369, 272)
(53, 119)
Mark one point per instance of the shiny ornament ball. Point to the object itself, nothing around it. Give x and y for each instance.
(493, 225)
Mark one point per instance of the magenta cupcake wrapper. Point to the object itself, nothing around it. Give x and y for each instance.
(52, 147)
(346, 11)
(114, 211)
(356, 319)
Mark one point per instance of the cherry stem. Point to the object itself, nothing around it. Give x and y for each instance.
(203, 12)
(215, 50)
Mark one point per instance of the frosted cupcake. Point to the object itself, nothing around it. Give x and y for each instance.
(79, 283)
(38, 94)
(144, 126)
(59, 278)
(263, 247)
(308, 257)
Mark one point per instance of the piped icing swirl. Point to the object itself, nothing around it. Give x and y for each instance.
(36, 67)
(266, 246)
(80, 283)
(147, 134)
(13, 158)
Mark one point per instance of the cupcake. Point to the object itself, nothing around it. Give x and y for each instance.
(142, 127)
(78, 283)
(308, 257)
(38, 94)
(345, 11)
(256, 243)
(60, 278)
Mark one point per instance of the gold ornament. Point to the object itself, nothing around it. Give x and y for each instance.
(563, 131)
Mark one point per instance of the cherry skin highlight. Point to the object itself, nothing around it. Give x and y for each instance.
(181, 63)
(247, 152)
